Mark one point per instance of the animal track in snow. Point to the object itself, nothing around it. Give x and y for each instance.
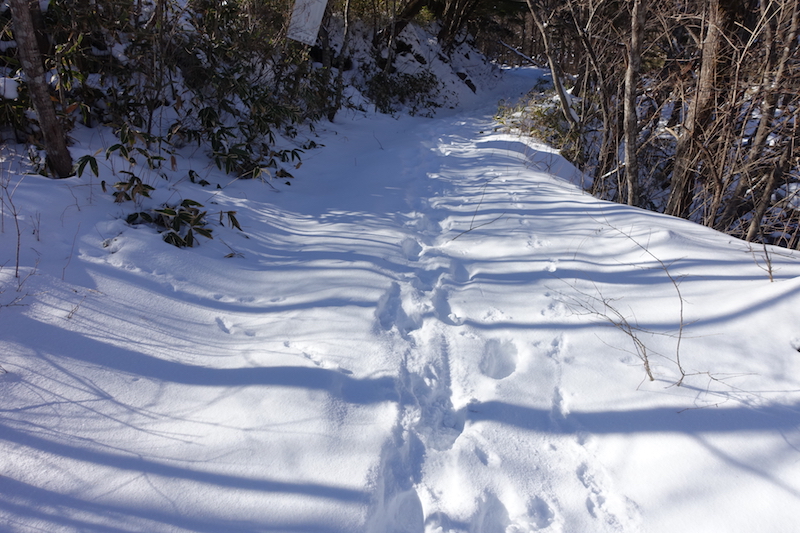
(595, 498)
(557, 348)
(225, 325)
(499, 358)
(488, 458)
(495, 315)
(555, 309)
(540, 513)
(616, 510)
(535, 242)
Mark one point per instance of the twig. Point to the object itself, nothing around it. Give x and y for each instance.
(619, 321)
(472, 225)
(233, 253)
(17, 300)
(479, 226)
(72, 250)
(8, 198)
(75, 309)
(37, 226)
(376, 138)
(520, 54)
(767, 260)
(30, 273)
(680, 300)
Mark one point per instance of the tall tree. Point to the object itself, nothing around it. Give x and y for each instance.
(631, 119)
(779, 46)
(555, 69)
(55, 144)
(454, 16)
(698, 113)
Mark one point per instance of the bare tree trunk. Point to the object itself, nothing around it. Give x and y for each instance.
(778, 170)
(55, 144)
(569, 113)
(607, 153)
(771, 86)
(410, 10)
(453, 18)
(686, 151)
(527, 40)
(390, 43)
(337, 99)
(631, 83)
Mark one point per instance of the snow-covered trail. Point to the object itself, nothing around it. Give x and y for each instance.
(426, 332)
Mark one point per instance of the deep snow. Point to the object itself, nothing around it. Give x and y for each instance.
(432, 329)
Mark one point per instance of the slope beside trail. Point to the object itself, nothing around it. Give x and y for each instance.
(433, 329)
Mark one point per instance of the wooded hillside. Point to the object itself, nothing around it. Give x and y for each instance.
(689, 109)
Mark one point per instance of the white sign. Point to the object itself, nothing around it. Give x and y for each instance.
(306, 19)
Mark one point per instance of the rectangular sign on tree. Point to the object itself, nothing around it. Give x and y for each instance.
(306, 19)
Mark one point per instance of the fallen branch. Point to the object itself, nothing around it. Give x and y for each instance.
(472, 225)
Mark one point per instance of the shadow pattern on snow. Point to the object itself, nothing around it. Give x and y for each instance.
(657, 420)
(25, 500)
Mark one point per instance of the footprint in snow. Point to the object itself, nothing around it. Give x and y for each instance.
(613, 509)
(559, 409)
(225, 325)
(535, 242)
(439, 424)
(495, 315)
(411, 249)
(426, 224)
(555, 309)
(388, 307)
(557, 350)
(442, 310)
(390, 312)
(596, 499)
(540, 514)
(499, 359)
(405, 513)
(489, 458)
(458, 273)
(492, 515)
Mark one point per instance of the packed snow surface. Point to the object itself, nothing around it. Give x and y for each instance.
(433, 329)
